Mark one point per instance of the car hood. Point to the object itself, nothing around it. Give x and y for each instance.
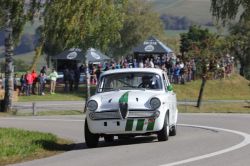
(137, 99)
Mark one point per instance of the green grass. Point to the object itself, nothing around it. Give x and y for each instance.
(216, 108)
(48, 113)
(59, 96)
(19, 145)
(233, 88)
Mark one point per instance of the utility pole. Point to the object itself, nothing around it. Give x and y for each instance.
(8, 63)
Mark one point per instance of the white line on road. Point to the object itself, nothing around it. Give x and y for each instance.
(38, 119)
(245, 142)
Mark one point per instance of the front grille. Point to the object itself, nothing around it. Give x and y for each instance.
(116, 114)
(104, 115)
(141, 114)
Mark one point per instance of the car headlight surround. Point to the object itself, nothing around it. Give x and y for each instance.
(92, 105)
(155, 103)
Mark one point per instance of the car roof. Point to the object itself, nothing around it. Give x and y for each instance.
(131, 70)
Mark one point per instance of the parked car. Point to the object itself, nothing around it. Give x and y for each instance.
(131, 102)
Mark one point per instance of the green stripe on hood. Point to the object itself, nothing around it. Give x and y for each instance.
(124, 98)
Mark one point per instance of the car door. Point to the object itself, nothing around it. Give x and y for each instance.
(172, 97)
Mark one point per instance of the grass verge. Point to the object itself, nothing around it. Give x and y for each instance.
(216, 108)
(42, 113)
(36, 145)
(48, 113)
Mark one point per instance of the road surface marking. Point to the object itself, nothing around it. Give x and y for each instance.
(243, 143)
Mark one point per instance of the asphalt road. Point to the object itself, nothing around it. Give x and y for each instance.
(202, 139)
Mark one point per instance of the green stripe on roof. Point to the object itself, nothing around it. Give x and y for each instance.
(129, 125)
(140, 124)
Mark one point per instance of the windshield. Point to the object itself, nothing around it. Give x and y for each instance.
(130, 81)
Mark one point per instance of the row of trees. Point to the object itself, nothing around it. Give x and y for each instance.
(209, 48)
(114, 26)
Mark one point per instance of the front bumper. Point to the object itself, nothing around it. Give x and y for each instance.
(136, 124)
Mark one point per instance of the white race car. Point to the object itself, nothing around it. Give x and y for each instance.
(131, 102)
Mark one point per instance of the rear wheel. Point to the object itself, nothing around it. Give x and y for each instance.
(163, 134)
(90, 138)
(108, 138)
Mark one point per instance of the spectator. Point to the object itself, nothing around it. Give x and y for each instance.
(76, 78)
(43, 70)
(29, 81)
(34, 77)
(98, 73)
(66, 80)
(71, 79)
(41, 83)
(53, 76)
(23, 83)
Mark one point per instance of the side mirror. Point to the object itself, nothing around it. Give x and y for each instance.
(170, 88)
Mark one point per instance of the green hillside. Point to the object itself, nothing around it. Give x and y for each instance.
(196, 10)
(233, 88)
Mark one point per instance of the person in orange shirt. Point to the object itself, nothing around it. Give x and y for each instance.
(29, 81)
(34, 77)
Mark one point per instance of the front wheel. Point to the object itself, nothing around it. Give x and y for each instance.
(90, 138)
(163, 134)
(173, 130)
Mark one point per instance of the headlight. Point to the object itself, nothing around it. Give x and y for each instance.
(155, 103)
(92, 105)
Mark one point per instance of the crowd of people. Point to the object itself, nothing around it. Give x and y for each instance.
(33, 83)
(178, 71)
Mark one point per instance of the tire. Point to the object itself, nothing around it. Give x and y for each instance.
(173, 131)
(163, 134)
(108, 138)
(91, 139)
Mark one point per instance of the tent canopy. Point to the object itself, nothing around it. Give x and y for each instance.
(94, 55)
(77, 54)
(152, 46)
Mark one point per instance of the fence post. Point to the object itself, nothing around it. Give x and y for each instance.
(34, 108)
(185, 105)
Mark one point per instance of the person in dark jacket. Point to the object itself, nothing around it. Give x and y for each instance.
(66, 80)
(76, 78)
(71, 79)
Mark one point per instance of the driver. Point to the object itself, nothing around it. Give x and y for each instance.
(146, 82)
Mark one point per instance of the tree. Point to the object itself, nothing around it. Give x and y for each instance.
(13, 15)
(139, 23)
(239, 45)
(227, 10)
(200, 44)
(82, 24)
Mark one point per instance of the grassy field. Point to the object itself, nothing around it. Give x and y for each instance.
(216, 108)
(36, 145)
(196, 10)
(233, 88)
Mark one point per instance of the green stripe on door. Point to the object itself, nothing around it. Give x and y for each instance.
(150, 125)
(129, 125)
(140, 124)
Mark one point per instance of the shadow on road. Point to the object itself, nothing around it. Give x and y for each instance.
(118, 142)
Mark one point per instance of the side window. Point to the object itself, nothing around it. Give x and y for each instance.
(165, 82)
